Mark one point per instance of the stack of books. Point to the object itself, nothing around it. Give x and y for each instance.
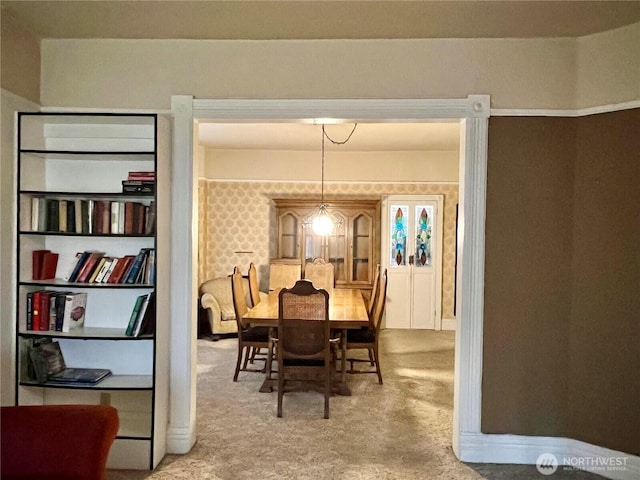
(139, 182)
(56, 311)
(93, 266)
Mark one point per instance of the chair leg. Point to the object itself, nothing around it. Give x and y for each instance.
(376, 355)
(280, 392)
(246, 358)
(371, 358)
(327, 389)
(235, 376)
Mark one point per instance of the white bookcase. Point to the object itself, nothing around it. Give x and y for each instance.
(85, 157)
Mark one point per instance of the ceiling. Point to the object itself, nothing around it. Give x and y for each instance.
(321, 19)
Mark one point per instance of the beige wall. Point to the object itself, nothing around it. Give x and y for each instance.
(240, 217)
(145, 73)
(19, 60)
(289, 165)
(608, 67)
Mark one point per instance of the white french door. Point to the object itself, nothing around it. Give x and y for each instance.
(412, 255)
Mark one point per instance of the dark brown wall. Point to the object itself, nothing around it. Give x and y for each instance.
(550, 326)
(527, 275)
(604, 348)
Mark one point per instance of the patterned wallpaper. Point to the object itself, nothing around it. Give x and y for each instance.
(237, 223)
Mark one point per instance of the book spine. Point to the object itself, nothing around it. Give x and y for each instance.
(61, 299)
(71, 216)
(96, 270)
(45, 300)
(42, 214)
(29, 311)
(112, 266)
(79, 265)
(134, 315)
(132, 275)
(88, 267)
(35, 210)
(53, 220)
(141, 315)
(35, 317)
(78, 215)
(62, 215)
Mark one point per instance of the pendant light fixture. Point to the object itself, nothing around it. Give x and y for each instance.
(322, 223)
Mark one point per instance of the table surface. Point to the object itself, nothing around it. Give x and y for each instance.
(347, 309)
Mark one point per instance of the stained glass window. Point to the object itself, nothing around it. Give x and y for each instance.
(398, 225)
(423, 224)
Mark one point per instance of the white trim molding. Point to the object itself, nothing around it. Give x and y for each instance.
(472, 113)
(569, 453)
(582, 112)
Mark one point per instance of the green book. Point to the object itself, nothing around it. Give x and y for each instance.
(134, 316)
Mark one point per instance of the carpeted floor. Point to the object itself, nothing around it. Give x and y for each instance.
(398, 430)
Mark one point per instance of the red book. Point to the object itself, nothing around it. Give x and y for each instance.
(49, 266)
(139, 224)
(36, 263)
(88, 266)
(35, 313)
(128, 217)
(45, 305)
(120, 269)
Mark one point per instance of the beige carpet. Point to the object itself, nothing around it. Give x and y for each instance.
(399, 430)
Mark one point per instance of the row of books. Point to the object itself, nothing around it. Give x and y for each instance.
(139, 182)
(91, 216)
(142, 319)
(53, 310)
(93, 266)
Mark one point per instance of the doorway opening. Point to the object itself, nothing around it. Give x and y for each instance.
(471, 113)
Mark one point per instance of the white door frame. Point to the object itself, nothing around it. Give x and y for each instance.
(472, 113)
(437, 235)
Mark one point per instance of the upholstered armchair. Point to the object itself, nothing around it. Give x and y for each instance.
(216, 298)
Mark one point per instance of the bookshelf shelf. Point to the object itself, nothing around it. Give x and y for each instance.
(78, 199)
(113, 382)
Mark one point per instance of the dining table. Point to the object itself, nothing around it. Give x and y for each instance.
(347, 310)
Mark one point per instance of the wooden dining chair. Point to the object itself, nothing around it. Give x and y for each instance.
(368, 338)
(304, 347)
(374, 291)
(249, 338)
(256, 296)
(320, 273)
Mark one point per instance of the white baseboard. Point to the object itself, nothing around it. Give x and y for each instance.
(449, 324)
(180, 440)
(574, 454)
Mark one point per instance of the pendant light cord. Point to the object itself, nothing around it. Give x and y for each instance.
(335, 142)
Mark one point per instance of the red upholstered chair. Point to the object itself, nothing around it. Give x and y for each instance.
(48, 442)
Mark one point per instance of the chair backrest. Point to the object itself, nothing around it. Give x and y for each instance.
(254, 288)
(239, 297)
(320, 273)
(374, 292)
(303, 322)
(283, 275)
(381, 300)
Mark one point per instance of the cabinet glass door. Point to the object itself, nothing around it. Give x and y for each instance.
(337, 248)
(361, 241)
(288, 236)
